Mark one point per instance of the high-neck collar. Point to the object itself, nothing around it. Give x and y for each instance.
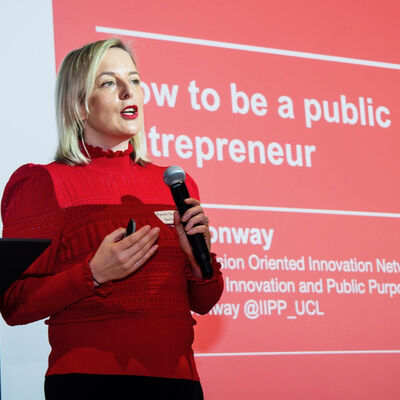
(108, 159)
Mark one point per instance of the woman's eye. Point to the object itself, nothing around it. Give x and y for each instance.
(107, 84)
(136, 81)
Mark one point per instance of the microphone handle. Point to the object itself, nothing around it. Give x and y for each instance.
(197, 241)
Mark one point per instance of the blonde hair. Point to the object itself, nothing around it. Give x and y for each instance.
(75, 82)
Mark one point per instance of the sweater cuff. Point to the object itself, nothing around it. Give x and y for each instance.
(216, 266)
(101, 290)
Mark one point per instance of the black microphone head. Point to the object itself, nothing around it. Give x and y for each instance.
(174, 174)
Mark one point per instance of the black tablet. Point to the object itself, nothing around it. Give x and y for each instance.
(16, 255)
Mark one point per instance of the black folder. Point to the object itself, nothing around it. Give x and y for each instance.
(16, 255)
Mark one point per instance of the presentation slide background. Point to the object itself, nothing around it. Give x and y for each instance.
(351, 350)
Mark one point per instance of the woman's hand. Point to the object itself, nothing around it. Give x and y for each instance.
(116, 258)
(193, 216)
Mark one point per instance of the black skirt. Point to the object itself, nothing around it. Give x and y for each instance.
(116, 387)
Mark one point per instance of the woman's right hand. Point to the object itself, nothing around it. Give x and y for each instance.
(116, 258)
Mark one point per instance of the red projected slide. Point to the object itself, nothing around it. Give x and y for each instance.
(288, 119)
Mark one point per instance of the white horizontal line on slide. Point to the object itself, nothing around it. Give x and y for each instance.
(295, 353)
(245, 47)
(300, 210)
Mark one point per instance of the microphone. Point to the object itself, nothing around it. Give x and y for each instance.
(174, 177)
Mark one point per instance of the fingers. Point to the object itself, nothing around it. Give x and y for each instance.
(194, 216)
(135, 237)
(195, 221)
(114, 236)
(137, 244)
(137, 263)
(141, 249)
(142, 238)
(116, 258)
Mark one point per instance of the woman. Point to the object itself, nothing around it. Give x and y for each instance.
(118, 307)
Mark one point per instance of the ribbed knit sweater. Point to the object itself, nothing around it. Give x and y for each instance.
(140, 325)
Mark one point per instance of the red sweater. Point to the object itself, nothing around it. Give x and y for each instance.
(140, 325)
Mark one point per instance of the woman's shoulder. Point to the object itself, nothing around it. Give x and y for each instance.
(158, 171)
(33, 174)
(27, 174)
(149, 171)
(27, 185)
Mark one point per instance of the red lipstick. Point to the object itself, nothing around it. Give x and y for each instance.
(130, 112)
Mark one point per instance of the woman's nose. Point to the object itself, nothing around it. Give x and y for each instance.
(126, 91)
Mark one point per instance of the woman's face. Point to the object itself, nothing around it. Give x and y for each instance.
(115, 104)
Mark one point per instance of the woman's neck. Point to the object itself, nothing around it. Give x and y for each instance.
(111, 145)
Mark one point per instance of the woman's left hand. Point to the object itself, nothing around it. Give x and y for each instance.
(193, 216)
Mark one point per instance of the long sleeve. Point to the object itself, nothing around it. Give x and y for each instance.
(203, 294)
(30, 210)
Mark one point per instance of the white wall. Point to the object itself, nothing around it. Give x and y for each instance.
(28, 134)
